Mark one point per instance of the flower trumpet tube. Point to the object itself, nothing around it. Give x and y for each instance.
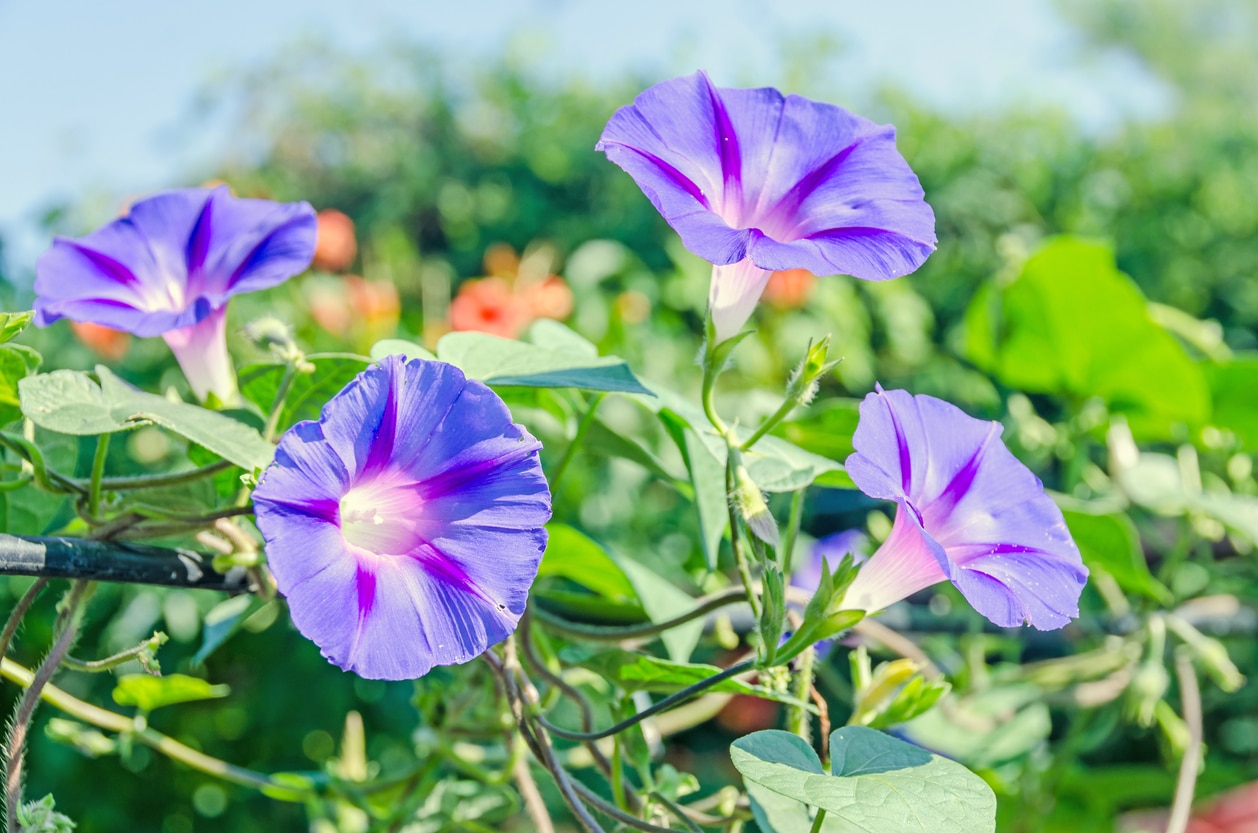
(169, 267)
(407, 524)
(969, 512)
(755, 181)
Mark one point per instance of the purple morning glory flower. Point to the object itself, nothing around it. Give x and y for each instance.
(969, 512)
(168, 268)
(406, 525)
(755, 181)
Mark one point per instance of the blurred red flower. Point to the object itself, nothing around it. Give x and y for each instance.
(106, 342)
(336, 245)
(789, 289)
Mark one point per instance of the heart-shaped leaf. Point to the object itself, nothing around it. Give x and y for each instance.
(877, 784)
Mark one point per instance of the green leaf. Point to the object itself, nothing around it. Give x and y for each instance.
(877, 784)
(501, 361)
(309, 391)
(824, 429)
(17, 361)
(1112, 544)
(1232, 386)
(574, 556)
(986, 728)
(148, 693)
(633, 671)
(775, 464)
(223, 621)
(1072, 325)
(398, 346)
(69, 402)
(707, 479)
(13, 323)
(662, 600)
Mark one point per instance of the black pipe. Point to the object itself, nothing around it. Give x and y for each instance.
(114, 561)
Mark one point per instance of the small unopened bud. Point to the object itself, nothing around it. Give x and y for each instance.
(802, 385)
(752, 506)
(270, 333)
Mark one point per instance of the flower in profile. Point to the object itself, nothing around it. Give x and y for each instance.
(169, 267)
(755, 181)
(406, 525)
(968, 512)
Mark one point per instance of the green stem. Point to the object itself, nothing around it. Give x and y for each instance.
(98, 473)
(786, 551)
(769, 423)
(663, 705)
(277, 406)
(163, 481)
(817, 822)
(45, 478)
(597, 633)
(583, 426)
(612, 811)
(739, 548)
(94, 666)
(168, 746)
(797, 716)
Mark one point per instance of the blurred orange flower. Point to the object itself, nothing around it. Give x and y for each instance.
(1235, 811)
(488, 305)
(367, 310)
(517, 292)
(336, 245)
(789, 289)
(106, 342)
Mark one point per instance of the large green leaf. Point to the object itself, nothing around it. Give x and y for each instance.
(69, 402)
(576, 557)
(877, 784)
(1112, 544)
(1072, 325)
(1232, 388)
(561, 363)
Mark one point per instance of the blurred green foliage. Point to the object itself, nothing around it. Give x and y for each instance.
(1055, 336)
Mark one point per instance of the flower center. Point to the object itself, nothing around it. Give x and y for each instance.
(381, 515)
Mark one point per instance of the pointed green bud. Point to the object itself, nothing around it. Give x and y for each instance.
(752, 506)
(802, 385)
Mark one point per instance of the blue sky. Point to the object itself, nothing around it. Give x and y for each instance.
(93, 95)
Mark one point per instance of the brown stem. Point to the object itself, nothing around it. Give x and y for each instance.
(14, 753)
(19, 611)
(1186, 784)
(542, 822)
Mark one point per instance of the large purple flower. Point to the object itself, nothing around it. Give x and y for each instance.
(168, 268)
(755, 182)
(969, 512)
(406, 525)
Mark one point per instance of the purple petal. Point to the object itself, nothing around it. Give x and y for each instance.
(981, 513)
(788, 182)
(439, 507)
(173, 260)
